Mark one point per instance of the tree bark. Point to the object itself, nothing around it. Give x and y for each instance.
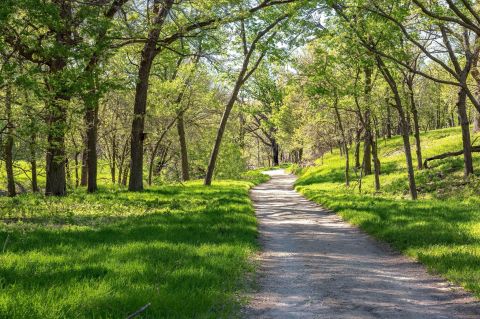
(141, 91)
(416, 126)
(344, 142)
(33, 162)
(367, 146)
(8, 149)
(389, 121)
(275, 153)
(357, 147)
(113, 162)
(448, 154)
(56, 184)
(183, 146)
(465, 125)
(77, 180)
(84, 174)
(91, 119)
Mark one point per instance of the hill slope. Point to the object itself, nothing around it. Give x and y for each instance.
(441, 229)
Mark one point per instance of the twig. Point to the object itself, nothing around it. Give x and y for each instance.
(139, 311)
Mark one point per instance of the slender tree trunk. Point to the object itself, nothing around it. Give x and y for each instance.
(476, 121)
(33, 161)
(376, 163)
(121, 165)
(141, 91)
(77, 179)
(467, 145)
(241, 79)
(367, 146)
(113, 166)
(344, 142)
(275, 153)
(8, 149)
(403, 124)
(416, 126)
(67, 172)
(84, 175)
(357, 147)
(125, 174)
(408, 156)
(220, 132)
(183, 146)
(91, 119)
(389, 121)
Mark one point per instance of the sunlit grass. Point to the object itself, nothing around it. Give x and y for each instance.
(185, 249)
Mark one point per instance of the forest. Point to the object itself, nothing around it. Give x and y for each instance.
(133, 134)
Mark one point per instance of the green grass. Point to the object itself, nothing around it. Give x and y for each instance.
(441, 229)
(184, 249)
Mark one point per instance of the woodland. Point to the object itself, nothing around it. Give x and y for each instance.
(132, 130)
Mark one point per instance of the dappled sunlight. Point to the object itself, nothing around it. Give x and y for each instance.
(315, 265)
(181, 248)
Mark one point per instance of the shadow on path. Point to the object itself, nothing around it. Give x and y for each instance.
(314, 265)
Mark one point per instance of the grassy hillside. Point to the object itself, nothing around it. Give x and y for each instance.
(441, 229)
(184, 249)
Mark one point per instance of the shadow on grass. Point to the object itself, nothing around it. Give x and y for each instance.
(182, 249)
(435, 232)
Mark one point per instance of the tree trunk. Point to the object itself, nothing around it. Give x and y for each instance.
(403, 124)
(275, 152)
(33, 161)
(125, 174)
(344, 142)
(416, 126)
(183, 146)
(113, 165)
(367, 146)
(77, 180)
(476, 121)
(467, 146)
(9, 144)
(91, 119)
(241, 79)
(357, 147)
(220, 132)
(56, 184)
(408, 157)
(141, 91)
(84, 175)
(389, 121)
(367, 156)
(376, 164)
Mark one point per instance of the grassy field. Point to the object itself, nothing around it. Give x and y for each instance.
(441, 229)
(184, 248)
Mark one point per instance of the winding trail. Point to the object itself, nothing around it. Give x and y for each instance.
(314, 265)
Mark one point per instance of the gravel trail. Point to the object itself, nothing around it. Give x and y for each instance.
(314, 265)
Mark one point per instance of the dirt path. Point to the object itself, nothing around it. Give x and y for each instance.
(314, 265)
